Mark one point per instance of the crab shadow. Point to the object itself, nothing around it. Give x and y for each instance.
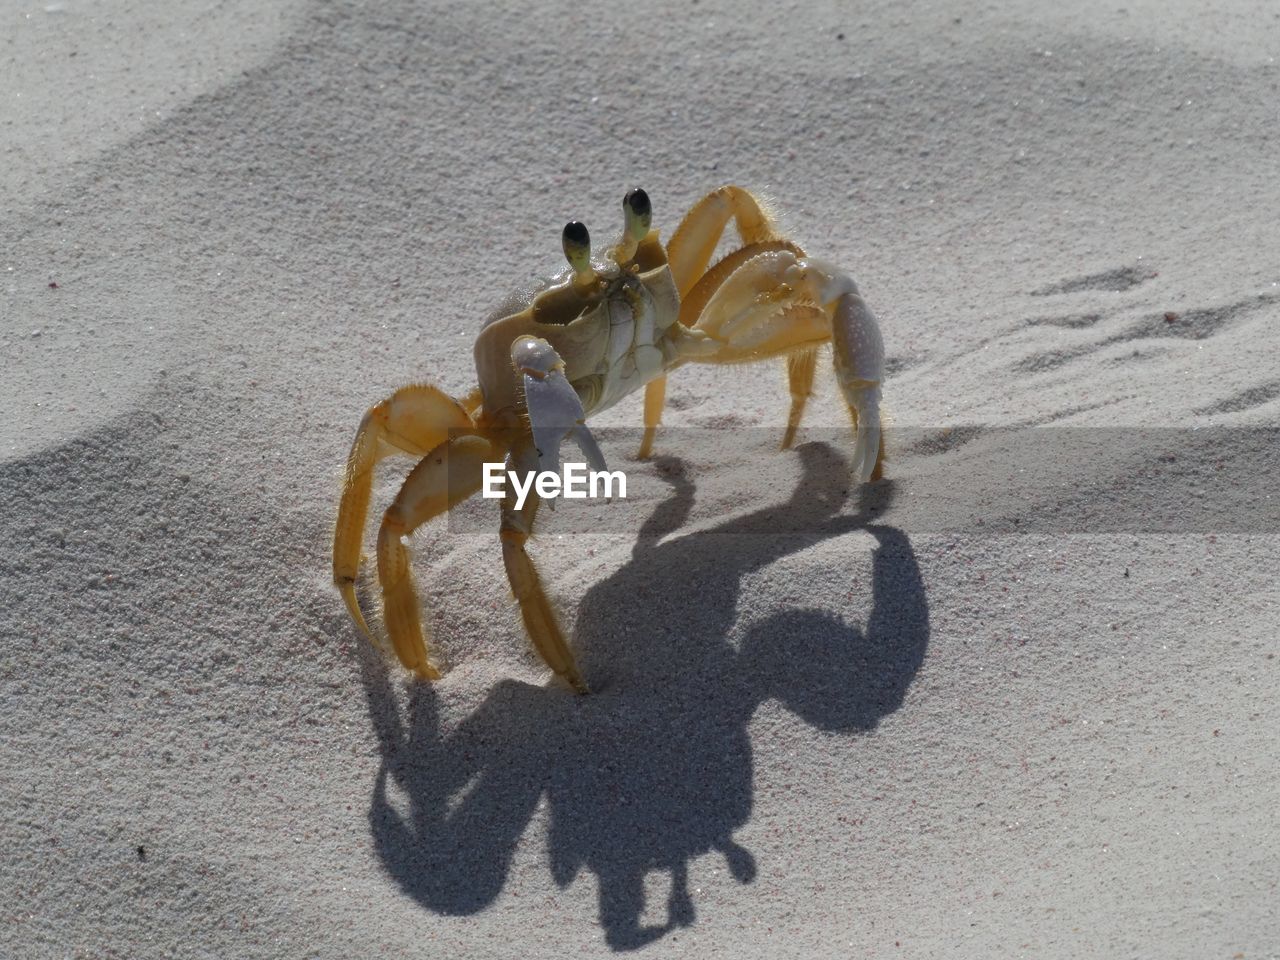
(655, 768)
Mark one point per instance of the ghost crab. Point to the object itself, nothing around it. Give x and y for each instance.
(577, 344)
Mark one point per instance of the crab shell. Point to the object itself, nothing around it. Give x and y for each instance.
(606, 332)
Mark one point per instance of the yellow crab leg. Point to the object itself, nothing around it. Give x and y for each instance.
(655, 398)
(449, 474)
(773, 301)
(689, 252)
(535, 609)
(800, 369)
(472, 401)
(754, 308)
(412, 420)
(691, 247)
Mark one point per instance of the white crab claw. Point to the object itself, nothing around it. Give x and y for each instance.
(554, 407)
(867, 446)
(590, 449)
(859, 361)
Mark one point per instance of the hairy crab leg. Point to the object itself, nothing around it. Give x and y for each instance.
(689, 252)
(776, 301)
(637, 219)
(413, 420)
(535, 609)
(800, 369)
(655, 398)
(694, 242)
(472, 401)
(449, 474)
(756, 308)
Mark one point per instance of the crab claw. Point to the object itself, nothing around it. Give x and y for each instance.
(554, 407)
(859, 361)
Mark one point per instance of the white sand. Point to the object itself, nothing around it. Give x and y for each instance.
(888, 743)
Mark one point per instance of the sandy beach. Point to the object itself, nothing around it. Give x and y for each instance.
(1005, 703)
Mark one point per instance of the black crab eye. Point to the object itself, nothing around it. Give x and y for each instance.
(576, 242)
(637, 202)
(639, 213)
(576, 235)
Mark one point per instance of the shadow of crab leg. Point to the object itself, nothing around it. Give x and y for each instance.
(449, 474)
(800, 369)
(412, 420)
(535, 609)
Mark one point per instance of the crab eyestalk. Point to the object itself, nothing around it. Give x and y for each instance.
(576, 242)
(637, 214)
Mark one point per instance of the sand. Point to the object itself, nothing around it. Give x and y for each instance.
(827, 723)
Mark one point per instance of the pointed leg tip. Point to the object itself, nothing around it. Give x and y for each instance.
(646, 443)
(426, 671)
(347, 588)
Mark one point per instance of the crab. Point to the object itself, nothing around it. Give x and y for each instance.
(578, 343)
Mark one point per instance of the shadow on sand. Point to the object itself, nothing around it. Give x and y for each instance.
(655, 767)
